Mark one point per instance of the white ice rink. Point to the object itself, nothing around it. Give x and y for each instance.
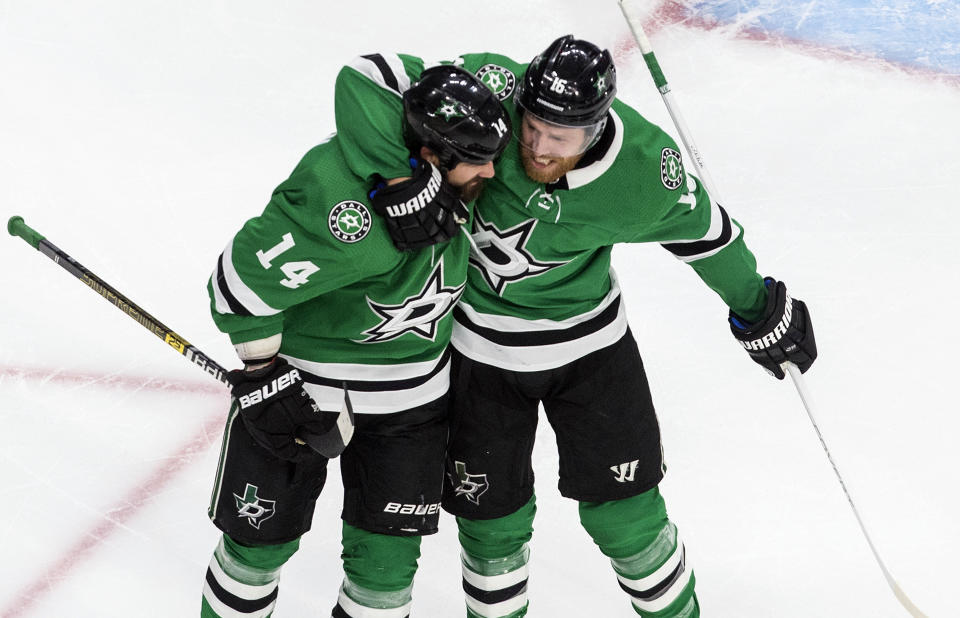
(139, 135)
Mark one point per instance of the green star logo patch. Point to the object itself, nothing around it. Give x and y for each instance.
(601, 83)
(349, 221)
(671, 168)
(448, 110)
(499, 80)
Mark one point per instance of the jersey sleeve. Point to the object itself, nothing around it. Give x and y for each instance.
(277, 260)
(701, 233)
(369, 113)
(697, 230)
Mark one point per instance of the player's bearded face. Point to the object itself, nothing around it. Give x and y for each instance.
(469, 179)
(549, 151)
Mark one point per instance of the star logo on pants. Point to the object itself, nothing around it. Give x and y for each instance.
(255, 509)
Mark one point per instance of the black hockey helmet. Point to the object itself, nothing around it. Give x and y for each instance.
(572, 83)
(450, 111)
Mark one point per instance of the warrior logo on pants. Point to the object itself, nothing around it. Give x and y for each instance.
(255, 509)
(471, 485)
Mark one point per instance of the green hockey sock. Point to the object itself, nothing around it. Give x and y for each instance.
(646, 553)
(494, 563)
(242, 581)
(379, 570)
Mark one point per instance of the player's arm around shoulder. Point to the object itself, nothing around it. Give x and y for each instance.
(368, 108)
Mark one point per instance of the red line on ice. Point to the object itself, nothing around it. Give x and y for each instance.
(134, 501)
(671, 12)
(81, 378)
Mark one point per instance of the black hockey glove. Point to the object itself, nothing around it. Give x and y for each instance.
(784, 334)
(275, 408)
(421, 211)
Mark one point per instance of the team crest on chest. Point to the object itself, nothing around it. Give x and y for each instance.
(671, 169)
(418, 314)
(349, 221)
(501, 256)
(498, 79)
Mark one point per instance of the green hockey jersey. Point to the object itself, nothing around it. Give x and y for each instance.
(318, 267)
(540, 291)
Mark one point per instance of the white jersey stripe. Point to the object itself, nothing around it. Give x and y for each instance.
(370, 69)
(511, 324)
(399, 72)
(580, 177)
(244, 295)
(537, 358)
(219, 301)
(366, 373)
(380, 402)
(735, 233)
(716, 215)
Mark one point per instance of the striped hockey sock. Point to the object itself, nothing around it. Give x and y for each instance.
(496, 588)
(646, 553)
(242, 582)
(494, 555)
(658, 579)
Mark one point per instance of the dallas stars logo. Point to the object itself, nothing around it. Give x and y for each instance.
(349, 221)
(255, 509)
(502, 257)
(498, 79)
(471, 485)
(418, 314)
(448, 110)
(601, 83)
(671, 169)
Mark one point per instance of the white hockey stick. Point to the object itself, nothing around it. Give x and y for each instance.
(801, 385)
(634, 18)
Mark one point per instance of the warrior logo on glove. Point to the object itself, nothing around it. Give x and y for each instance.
(783, 335)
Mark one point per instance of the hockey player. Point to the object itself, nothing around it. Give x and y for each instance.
(319, 294)
(542, 320)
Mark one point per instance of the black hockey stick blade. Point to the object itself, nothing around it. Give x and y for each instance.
(332, 442)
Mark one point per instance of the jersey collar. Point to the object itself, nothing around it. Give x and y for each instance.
(595, 161)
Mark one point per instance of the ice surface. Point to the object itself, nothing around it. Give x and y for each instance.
(139, 135)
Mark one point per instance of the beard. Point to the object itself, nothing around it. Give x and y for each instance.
(472, 190)
(554, 169)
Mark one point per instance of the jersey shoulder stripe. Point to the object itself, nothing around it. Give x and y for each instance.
(386, 70)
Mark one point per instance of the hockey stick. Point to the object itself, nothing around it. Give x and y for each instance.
(634, 19)
(329, 444)
(801, 385)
